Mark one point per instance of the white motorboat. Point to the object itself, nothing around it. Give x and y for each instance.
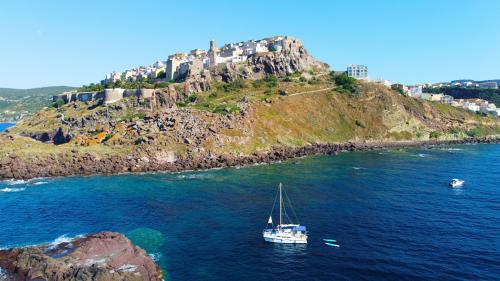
(289, 233)
(456, 183)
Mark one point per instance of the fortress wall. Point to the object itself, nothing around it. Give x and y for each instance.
(130, 93)
(85, 96)
(98, 95)
(73, 97)
(113, 95)
(146, 93)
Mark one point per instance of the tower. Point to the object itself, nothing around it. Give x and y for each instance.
(212, 53)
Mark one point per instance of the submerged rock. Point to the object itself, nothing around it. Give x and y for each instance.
(101, 256)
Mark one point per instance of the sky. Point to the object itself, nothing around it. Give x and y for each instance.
(48, 43)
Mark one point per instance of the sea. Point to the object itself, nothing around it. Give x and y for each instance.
(391, 212)
(4, 126)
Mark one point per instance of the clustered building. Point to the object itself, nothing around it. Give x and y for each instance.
(177, 65)
(475, 105)
(466, 84)
(175, 68)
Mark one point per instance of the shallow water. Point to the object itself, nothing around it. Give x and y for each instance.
(4, 126)
(391, 212)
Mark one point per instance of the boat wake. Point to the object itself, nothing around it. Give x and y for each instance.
(422, 155)
(40, 182)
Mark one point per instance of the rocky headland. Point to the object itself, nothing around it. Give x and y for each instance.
(274, 106)
(98, 257)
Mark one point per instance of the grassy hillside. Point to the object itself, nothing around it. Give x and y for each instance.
(17, 103)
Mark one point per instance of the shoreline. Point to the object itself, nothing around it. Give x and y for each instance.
(14, 168)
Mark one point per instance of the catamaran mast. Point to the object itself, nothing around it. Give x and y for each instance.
(281, 201)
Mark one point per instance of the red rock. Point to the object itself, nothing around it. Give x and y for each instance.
(100, 257)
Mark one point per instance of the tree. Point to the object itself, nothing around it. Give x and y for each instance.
(161, 74)
(345, 82)
(58, 103)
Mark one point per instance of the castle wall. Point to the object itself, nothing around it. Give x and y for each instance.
(113, 95)
(146, 93)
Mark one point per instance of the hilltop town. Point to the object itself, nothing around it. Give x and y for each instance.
(193, 71)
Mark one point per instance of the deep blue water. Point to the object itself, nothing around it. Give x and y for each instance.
(4, 126)
(391, 211)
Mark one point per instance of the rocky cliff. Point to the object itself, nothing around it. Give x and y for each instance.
(291, 58)
(98, 257)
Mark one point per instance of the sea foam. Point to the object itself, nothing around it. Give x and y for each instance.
(9, 189)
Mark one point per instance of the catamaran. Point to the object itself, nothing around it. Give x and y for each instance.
(284, 232)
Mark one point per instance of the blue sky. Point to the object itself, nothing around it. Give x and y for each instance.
(77, 42)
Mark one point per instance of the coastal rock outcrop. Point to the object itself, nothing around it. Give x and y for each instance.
(100, 257)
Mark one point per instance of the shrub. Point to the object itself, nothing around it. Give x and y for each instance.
(234, 86)
(58, 103)
(162, 85)
(107, 137)
(360, 123)
(91, 88)
(192, 98)
(287, 79)
(302, 79)
(271, 81)
(226, 108)
(434, 135)
(345, 82)
(161, 74)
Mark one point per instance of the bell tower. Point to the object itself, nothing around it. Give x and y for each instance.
(212, 53)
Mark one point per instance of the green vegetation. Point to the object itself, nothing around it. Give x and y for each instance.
(434, 135)
(345, 83)
(58, 103)
(92, 87)
(132, 116)
(233, 86)
(481, 131)
(161, 74)
(270, 81)
(162, 85)
(15, 103)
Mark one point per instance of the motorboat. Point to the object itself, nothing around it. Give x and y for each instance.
(456, 183)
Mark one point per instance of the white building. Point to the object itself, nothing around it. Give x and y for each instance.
(357, 71)
(415, 91)
(471, 106)
(488, 85)
(486, 107)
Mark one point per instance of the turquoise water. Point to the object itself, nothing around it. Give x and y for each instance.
(391, 211)
(4, 126)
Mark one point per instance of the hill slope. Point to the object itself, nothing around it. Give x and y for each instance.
(17, 103)
(257, 121)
